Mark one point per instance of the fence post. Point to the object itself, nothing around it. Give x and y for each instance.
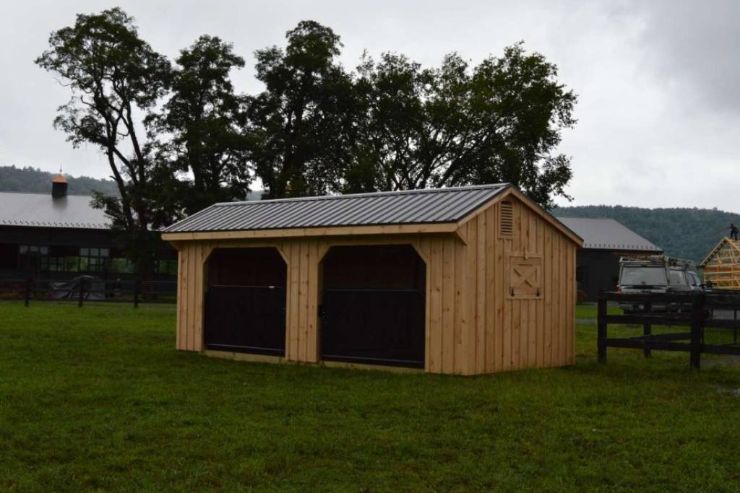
(81, 291)
(601, 324)
(27, 295)
(136, 293)
(647, 329)
(697, 325)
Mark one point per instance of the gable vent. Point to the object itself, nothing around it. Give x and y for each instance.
(506, 220)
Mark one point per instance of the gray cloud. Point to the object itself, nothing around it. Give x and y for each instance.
(657, 80)
(693, 46)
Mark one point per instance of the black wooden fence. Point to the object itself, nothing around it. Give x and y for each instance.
(86, 289)
(690, 314)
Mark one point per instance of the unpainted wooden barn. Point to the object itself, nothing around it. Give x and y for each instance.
(722, 265)
(466, 280)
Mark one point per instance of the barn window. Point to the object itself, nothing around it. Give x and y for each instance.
(506, 220)
(525, 277)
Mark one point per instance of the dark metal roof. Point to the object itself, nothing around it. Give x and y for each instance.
(607, 234)
(437, 205)
(43, 211)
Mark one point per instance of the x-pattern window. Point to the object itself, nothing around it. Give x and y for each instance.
(525, 277)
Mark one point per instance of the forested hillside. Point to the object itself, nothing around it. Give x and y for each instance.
(32, 180)
(685, 233)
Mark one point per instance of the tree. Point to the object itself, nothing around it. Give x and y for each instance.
(457, 125)
(200, 129)
(115, 78)
(314, 129)
(302, 122)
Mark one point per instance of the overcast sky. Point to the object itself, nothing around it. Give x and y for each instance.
(658, 81)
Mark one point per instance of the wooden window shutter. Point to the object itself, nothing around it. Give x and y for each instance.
(525, 277)
(506, 220)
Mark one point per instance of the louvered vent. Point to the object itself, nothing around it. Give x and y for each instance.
(506, 221)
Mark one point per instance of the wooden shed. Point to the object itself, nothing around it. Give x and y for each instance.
(722, 265)
(465, 280)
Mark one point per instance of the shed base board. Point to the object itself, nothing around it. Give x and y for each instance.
(253, 358)
(363, 366)
(264, 358)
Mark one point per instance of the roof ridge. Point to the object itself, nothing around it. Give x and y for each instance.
(366, 194)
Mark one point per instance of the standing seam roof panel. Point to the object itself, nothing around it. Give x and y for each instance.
(218, 222)
(230, 216)
(607, 234)
(329, 215)
(382, 208)
(455, 208)
(373, 207)
(293, 214)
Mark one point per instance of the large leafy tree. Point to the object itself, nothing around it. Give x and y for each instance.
(455, 125)
(200, 128)
(314, 129)
(302, 122)
(115, 78)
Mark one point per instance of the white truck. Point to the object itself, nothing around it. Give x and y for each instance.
(656, 274)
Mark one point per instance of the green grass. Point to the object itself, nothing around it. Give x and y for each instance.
(97, 399)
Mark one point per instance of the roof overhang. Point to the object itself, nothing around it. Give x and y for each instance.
(385, 229)
(380, 229)
(625, 249)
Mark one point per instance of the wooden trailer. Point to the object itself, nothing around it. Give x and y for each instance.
(465, 280)
(722, 265)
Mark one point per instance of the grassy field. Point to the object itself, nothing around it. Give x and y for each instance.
(97, 399)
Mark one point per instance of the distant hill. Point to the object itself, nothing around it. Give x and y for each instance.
(32, 180)
(684, 233)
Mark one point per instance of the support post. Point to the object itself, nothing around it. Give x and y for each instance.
(81, 292)
(27, 294)
(136, 293)
(601, 324)
(647, 329)
(697, 326)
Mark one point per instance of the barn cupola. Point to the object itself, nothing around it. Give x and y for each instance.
(59, 186)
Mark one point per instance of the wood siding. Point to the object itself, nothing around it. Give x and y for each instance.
(722, 266)
(472, 325)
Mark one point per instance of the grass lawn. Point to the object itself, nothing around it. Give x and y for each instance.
(97, 399)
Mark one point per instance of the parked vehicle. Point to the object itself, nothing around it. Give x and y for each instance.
(657, 274)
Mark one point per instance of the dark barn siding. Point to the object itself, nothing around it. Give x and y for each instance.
(598, 270)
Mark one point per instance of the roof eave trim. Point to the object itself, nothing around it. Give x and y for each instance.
(40, 225)
(416, 228)
(624, 249)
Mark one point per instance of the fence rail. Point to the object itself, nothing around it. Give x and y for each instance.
(694, 311)
(86, 289)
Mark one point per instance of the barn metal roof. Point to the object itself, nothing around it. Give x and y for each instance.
(607, 234)
(437, 205)
(43, 211)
